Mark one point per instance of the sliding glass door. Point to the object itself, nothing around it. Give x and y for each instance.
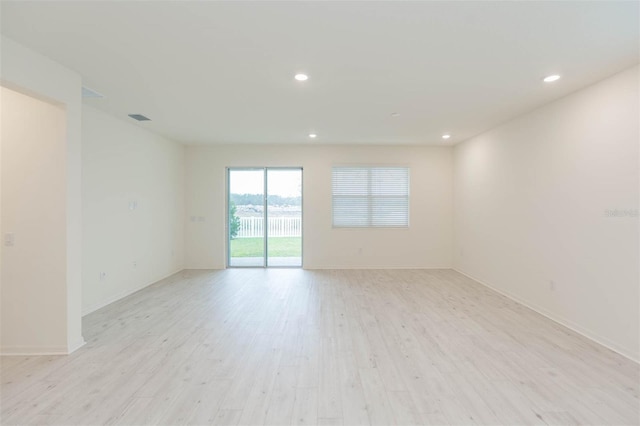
(245, 219)
(284, 216)
(264, 218)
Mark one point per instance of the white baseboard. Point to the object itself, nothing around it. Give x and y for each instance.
(124, 294)
(204, 268)
(33, 350)
(40, 351)
(323, 267)
(75, 346)
(315, 267)
(603, 341)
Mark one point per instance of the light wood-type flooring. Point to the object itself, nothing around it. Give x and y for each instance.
(345, 347)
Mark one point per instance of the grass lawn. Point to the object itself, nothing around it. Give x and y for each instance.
(278, 247)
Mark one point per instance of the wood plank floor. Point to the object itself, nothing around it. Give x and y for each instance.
(301, 347)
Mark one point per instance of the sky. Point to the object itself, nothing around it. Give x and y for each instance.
(286, 183)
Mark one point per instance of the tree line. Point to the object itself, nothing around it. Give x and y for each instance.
(256, 200)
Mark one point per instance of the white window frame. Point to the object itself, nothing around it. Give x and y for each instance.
(370, 218)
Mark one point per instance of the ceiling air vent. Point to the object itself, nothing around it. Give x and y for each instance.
(139, 117)
(90, 93)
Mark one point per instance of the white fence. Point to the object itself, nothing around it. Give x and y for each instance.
(251, 227)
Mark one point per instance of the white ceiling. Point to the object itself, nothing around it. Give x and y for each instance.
(222, 72)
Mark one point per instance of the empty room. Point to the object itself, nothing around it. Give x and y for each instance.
(320, 213)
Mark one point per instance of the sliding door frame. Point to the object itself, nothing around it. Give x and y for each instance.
(265, 214)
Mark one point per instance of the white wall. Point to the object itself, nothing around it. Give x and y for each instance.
(31, 73)
(531, 203)
(33, 274)
(122, 164)
(426, 244)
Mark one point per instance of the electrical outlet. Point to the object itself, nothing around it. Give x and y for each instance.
(9, 239)
(102, 276)
(552, 285)
(135, 263)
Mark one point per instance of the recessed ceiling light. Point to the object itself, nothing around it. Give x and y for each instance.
(551, 78)
(446, 136)
(313, 135)
(395, 114)
(301, 77)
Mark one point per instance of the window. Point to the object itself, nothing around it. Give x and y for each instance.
(370, 197)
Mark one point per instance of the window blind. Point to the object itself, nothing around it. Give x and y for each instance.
(370, 197)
